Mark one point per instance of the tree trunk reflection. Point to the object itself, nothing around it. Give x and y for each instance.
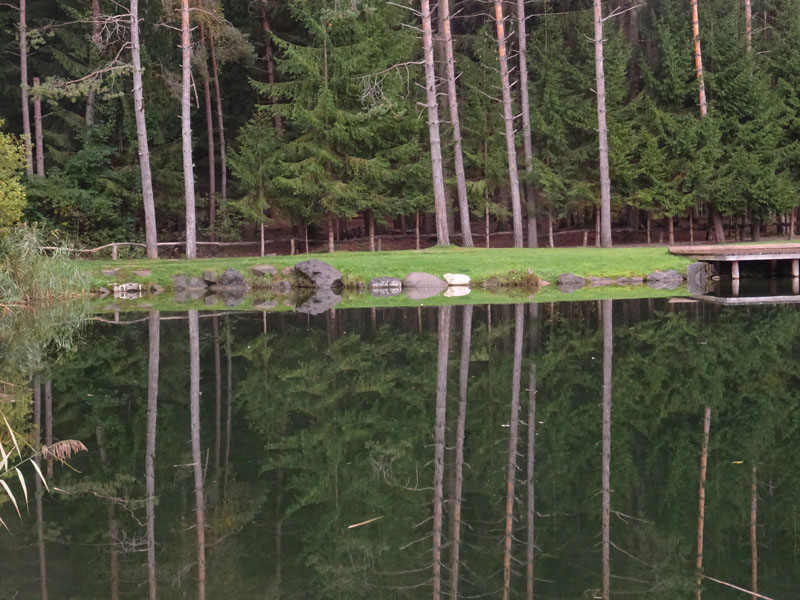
(608, 356)
(154, 324)
(463, 385)
(438, 456)
(519, 325)
(701, 513)
(37, 424)
(194, 400)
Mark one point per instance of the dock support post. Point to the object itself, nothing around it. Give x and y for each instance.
(735, 269)
(735, 287)
(796, 268)
(796, 286)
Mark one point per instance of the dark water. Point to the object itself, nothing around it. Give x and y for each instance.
(552, 446)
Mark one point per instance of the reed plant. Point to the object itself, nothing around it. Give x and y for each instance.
(30, 275)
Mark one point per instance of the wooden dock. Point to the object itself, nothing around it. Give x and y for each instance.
(734, 254)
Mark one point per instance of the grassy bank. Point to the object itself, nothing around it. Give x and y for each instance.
(482, 265)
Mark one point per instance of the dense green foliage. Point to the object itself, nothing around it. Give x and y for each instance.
(340, 131)
(12, 193)
(332, 424)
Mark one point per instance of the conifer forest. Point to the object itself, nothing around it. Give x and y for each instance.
(219, 119)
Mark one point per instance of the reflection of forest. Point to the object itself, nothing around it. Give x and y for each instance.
(425, 419)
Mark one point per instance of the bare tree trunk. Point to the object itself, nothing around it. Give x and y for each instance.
(194, 399)
(416, 231)
(371, 228)
(151, 234)
(698, 60)
(550, 239)
(212, 154)
(671, 226)
(48, 421)
(269, 59)
(37, 423)
(691, 226)
(23, 70)
(527, 143)
(439, 198)
(508, 115)
(223, 160)
(438, 457)
(754, 530)
(530, 475)
(486, 229)
(608, 357)
(458, 157)
(597, 227)
(513, 434)
(113, 525)
(261, 238)
(719, 226)
(37, 128)
(186, 130)
(701, 513)
(649, 227)
(91, 94)
(748, 32)
(331, 245)
(602, 128)
(463, 385)
(154, 326)
(792, 223)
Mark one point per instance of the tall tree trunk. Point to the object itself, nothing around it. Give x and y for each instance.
(748, 29)
(513, 435)
(371, 230)
(698, 60)
(416, 231)
(701, 512)
(212, 154)
(602, 128)
(719, 226)
(37, 424)
(23, 70)
(671, 226)
(508, 115)
(608, 357)
(186, 130)
(91, 94)
(223, 160)
(439, 198)
(37, 128)
(458, 157)
(269, 59)
(194, 400)
(527, 143)
(463, 385)
(154, 327)
(438, 454)
(792, 223)
(331, 245)
(151, 235)
(550, 239)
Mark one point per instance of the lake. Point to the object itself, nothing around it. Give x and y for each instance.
(507, 451)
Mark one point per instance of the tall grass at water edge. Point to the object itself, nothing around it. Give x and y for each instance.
(29, 275)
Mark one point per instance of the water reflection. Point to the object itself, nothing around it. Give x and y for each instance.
(262, 443)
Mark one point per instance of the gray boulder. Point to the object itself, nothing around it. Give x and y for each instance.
(210, 277)
(418, 280)
(664, 276)
(568, 283)
(181, 283)
(264, 270)
(231, 278)
(317, 274)
(385, 292)
(699, 277)
(386, 283)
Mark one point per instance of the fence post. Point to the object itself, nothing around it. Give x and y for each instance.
(114, 251)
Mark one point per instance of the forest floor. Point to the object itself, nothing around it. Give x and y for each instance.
(500, 266)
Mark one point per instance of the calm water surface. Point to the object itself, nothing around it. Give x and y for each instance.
(546, 451)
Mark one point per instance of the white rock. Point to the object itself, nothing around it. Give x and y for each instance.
(456, 291)
(456, 279)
